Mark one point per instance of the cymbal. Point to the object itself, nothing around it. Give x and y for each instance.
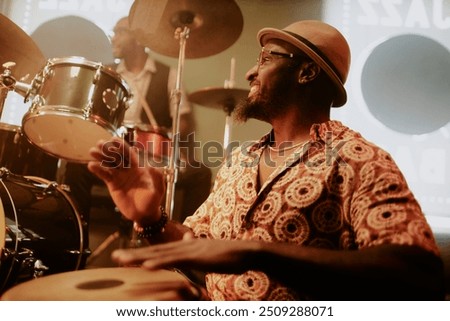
(218, 97)
(18, 47)
(213, 26)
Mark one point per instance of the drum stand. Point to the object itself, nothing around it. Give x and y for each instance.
(171, 170)
(125, 234)
(9, 83)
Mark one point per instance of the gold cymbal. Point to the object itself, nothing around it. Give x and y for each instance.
(213, 25)
(18, 47)
(217, 97)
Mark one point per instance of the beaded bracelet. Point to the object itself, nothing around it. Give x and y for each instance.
(151, 230)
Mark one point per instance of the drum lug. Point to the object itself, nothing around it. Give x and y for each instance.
(35, 87)
(122, 131)
(87, 111)
(4, 172)
(37, 83)
(39, 269)
(127, 102)
(37, 102)
(51, 187)
(97, 75)
(65, 188)
(76, 252)
(30, 266)
(47, 72)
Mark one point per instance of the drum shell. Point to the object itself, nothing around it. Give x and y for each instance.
(21, 157)
(76, 103)
(152, 140)
(41, 223)
(69, 84)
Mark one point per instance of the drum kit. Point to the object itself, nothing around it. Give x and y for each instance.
(75, 103)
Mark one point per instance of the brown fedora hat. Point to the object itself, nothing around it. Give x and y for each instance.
(324, 44)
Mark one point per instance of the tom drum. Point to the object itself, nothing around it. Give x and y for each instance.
(41, 232)
(76, 102)
(21, 157)
(153, 142)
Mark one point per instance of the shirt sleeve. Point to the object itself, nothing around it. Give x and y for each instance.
(383, 209)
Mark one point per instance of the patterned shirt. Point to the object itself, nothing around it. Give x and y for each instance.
(339, 191)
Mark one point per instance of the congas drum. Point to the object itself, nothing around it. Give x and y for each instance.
(107, 284)
(75, 103)
(21, 157)
(154, 142)
(41, 231)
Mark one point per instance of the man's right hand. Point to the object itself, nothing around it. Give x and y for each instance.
(137, 189)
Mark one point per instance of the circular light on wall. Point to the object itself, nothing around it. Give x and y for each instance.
(405, 83)
(73, 36)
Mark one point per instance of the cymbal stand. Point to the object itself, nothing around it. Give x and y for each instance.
(3, 95)
(172, 168)
(228, 108)
(7, 83)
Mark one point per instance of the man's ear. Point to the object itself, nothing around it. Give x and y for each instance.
(308, 71)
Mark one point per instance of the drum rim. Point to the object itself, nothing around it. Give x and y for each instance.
(2, 228)
(10, 127)
(148, 128)
(77, 215)
(9, 196)
(29, 116)
(126, 274)
(77, 250)
(66, 111)
(77, 60)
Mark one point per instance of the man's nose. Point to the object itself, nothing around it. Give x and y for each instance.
(251, 74)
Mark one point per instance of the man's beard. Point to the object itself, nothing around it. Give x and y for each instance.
(267, 103)
(249, 108)
(259, 107)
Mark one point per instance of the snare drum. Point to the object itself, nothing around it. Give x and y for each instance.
(76, 102)
(21, 157)
(107, 284)
(41, 231)
(154, 142)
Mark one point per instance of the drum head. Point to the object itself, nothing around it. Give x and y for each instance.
(66, 135)
(106, 284)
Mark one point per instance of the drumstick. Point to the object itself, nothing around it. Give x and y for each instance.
(148, 111)
(102, 247)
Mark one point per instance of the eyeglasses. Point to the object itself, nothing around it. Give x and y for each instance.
(266, 56)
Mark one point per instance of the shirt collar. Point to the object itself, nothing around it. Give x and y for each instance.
(149, 66)
(318, 132)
